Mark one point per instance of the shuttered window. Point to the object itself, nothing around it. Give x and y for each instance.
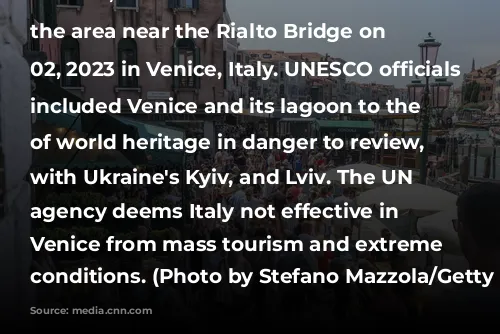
(127, 3)
(127, 51)
(70, 52)
(70, 2)
(185, 51)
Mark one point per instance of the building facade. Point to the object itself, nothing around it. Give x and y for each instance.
(354, 93)
(496, 86)
(137, 51)
(232, 88)
(330, 87)
(366, 92)
(479, 84)
(341, 89)
(401, 94)
(241, 89)
(486, 89)
(15, 150)
(455, 98)
(294, 89)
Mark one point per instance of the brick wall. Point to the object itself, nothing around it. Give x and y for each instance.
(151, 13)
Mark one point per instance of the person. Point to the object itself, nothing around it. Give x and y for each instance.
(295, 192)
(478, 231)
(348, 159)
(340, 223)
(250, 201)
(289, 225)
(349, 255)
(429, 169)
(381, 256)
(279, 198)
(271, 159)
(306, 236)
(297, 163)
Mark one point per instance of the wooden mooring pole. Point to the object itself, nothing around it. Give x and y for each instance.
(476, 151)
(469, 156)
(494, 163)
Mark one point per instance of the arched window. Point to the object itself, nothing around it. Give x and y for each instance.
(184, 52)
(70, 53)
(127, 51)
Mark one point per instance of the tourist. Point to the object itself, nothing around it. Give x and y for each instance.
(478, 231)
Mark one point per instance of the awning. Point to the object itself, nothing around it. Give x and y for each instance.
(85, 159)
(107, 125)
(52, 92)
(347, 126)
(145, 130)
(68, 121)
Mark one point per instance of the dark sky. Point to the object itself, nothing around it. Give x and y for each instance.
(467, 29)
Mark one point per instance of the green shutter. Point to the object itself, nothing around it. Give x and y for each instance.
(175, 61)
(49, 13)
(197, 61)
(172, 4)
(196, 4)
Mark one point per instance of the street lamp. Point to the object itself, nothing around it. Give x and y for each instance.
(440, 91)
(428, 56)
(429, 50)
(415, 92)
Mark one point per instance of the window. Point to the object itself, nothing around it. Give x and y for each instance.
(45, 12)
(2, 179)
(185, 51)
(70, 52)
(184, 4)
(70, 2)
(127, 4)
(127, 51)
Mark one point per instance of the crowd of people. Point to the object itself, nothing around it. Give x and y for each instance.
(300, 302)
(343, 300)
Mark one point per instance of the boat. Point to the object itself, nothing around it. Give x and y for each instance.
(494, 132)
